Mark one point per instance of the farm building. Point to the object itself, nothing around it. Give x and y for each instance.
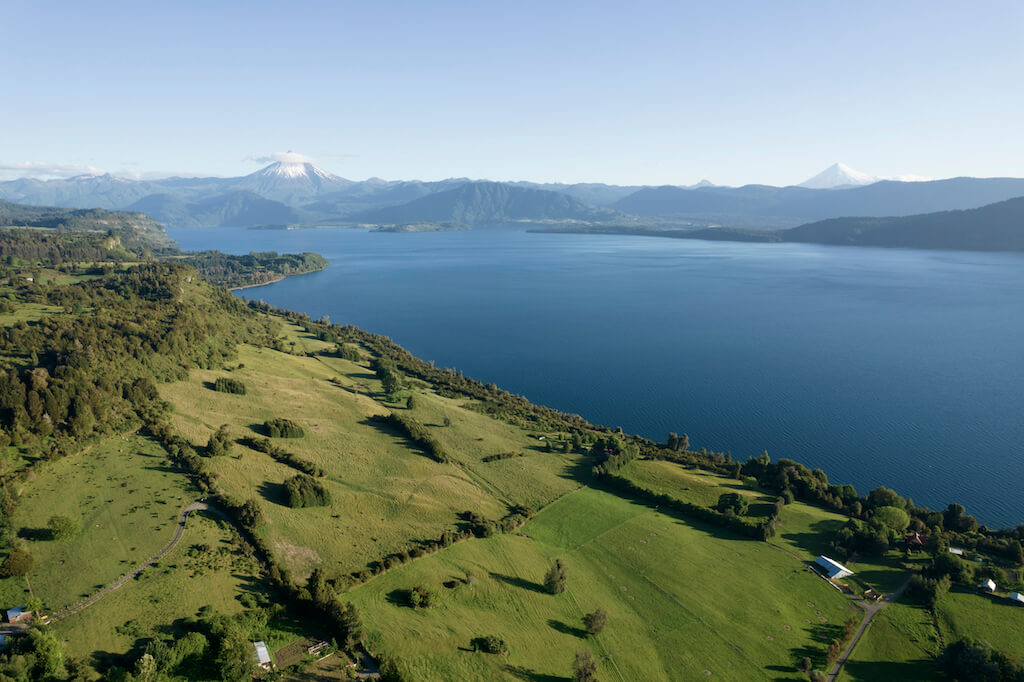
(262, 655)
(914, 541)
(17, 615)
(956, 550)
(1017, 597)
(832, 569)
(989, 585)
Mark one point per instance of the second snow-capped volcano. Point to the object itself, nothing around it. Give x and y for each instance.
(838, 175)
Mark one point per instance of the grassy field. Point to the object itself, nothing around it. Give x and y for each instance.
(992, 619)
(803, 529)
(666, 584)
(126, 499)
(387, 495)
(899, 646)
(201, 571)
(694, 485)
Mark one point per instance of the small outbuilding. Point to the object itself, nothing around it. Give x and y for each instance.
(956, 550)
(17, 614)
(832, 569)
(989, 585)
(1017, 597)
(262, 655)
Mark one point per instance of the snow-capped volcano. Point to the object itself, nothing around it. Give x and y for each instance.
(291, 181)
(838, 175)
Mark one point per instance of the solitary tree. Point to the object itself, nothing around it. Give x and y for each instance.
(62, 527)
(595, 622)
(555, 579)
(584, 667)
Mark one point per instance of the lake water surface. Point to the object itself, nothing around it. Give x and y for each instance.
(881, 366)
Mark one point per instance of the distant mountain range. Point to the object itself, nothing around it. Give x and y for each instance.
(297, 192)
(766, 207)
(489, 203)
(996, 227)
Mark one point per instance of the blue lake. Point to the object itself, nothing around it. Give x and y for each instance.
(883, 367)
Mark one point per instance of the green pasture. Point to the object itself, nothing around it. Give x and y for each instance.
(125, 497)
(900, 645)
(984, 617)
(387, 494)
(684, 601)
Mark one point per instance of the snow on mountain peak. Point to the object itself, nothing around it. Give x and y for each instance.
(838, 175)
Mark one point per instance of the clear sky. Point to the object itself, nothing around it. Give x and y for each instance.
(627, 92)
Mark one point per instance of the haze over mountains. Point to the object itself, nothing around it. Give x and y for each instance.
(298, 192)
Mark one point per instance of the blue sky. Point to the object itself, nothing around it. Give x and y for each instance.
(627, 93)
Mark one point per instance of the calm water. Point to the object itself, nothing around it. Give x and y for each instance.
(892, 367)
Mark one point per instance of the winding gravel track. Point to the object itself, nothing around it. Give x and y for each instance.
(178, 533)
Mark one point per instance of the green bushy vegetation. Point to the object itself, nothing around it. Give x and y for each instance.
(229, 385)
(305, 491)
(283, 428)
(253, 268)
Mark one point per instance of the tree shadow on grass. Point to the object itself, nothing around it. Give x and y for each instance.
(522, 673)
(519, 582)
(567, 629)
(399, 598)
(273, 492)
(36, 534)
(890, 671)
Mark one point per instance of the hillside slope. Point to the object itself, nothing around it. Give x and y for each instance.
(997, 227)
(487, 203)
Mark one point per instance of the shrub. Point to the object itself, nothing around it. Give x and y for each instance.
(491, 644)
(556, 577)
(220, 442)
(584, 667)
(595, 622)
(228, 385)
(62, 527)
(283, 428)
(305, 491)
(421, 597)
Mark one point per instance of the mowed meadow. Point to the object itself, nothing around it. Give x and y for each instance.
(684, 601)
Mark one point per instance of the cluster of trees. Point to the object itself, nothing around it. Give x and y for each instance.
(253, 268)
(283, 428)
(968, 661)
(302, 490)
(267, 446)
(220, 442)
(58, 250)
(229, 385)
(416, 432)
(391, 378)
